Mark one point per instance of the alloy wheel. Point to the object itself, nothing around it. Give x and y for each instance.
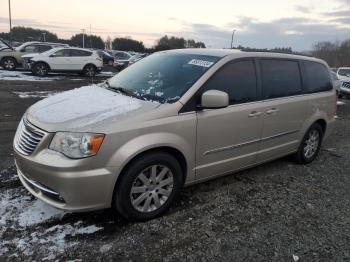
(152, 188)
(311, 144)
(41, 70)
(90, 71)
(9, 64)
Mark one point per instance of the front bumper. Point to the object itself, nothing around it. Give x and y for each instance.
(345, 88)
(65, 183)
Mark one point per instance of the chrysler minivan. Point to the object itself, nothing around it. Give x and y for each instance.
(173, 119)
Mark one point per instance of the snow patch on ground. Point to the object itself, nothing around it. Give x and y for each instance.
(105, 73)
(340, 103)
(20, 210)
(21, 76)
(35, 94)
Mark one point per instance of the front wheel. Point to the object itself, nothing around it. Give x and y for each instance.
(310, 145)
(9, 63)
(148, 186)
(40, 69)
(89, 70)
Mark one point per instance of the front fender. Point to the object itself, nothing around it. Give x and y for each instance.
(143, 143)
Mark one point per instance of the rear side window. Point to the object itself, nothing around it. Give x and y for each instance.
(76, 52)
(44, 48)
(238, 79)
(280, 78)
(317, 77)
(62, 53)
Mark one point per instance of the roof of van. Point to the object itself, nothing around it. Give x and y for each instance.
(237, 53)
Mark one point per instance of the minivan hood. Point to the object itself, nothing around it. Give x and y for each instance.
(84, 109)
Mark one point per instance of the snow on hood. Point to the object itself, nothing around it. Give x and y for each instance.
(83, 106)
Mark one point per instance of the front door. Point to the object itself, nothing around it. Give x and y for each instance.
(61, 60)
(228, 138)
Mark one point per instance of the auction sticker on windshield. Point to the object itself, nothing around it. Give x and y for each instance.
(202, 63)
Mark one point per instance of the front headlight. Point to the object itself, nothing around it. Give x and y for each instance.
(76, 145)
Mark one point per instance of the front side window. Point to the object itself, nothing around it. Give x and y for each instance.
(237, 79)
(317, 77)
(163, 77)
(280, 78)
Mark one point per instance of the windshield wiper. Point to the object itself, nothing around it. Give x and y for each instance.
(121, 90)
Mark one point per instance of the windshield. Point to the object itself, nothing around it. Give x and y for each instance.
(3, 46)
(344, 72)
(163, 77)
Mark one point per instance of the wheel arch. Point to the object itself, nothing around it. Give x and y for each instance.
(172, 150)
(41, 62)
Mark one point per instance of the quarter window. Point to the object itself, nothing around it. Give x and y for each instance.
(280, 78)
(317, 77)
(238, 79)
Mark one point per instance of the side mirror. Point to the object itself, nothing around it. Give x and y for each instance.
(214, 99)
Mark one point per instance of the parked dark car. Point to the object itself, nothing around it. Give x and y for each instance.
(121, 60)
(107, 58)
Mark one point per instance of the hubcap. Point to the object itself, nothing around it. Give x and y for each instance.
(152, 188)
(311, 144)
(9, 64)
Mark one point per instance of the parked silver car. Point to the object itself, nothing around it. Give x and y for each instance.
(174, 118)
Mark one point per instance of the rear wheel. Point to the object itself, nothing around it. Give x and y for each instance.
(148, 186)
(40, 69)
(89, 70)
(310, 145)
(9, 63)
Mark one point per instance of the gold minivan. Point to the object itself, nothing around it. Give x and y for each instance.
(172, 119)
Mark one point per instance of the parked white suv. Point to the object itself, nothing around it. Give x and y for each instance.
(69, 59)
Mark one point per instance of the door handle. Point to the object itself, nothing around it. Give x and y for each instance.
(254, 114)
(272, 111)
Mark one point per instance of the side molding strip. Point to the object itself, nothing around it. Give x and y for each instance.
(217, 150)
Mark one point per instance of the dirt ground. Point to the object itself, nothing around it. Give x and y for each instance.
(278, 211)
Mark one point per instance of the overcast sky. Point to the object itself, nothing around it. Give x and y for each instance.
(259, 23)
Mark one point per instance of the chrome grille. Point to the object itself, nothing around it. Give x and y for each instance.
(346, 85)
(27, 137)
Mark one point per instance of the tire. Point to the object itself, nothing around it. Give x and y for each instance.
(151, 197)
(310, 145)
(40, 69)
(89, 71)
(9, 63)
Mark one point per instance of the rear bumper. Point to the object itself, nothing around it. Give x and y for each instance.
(66, 186)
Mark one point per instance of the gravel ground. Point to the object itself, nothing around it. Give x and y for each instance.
(279, 211)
